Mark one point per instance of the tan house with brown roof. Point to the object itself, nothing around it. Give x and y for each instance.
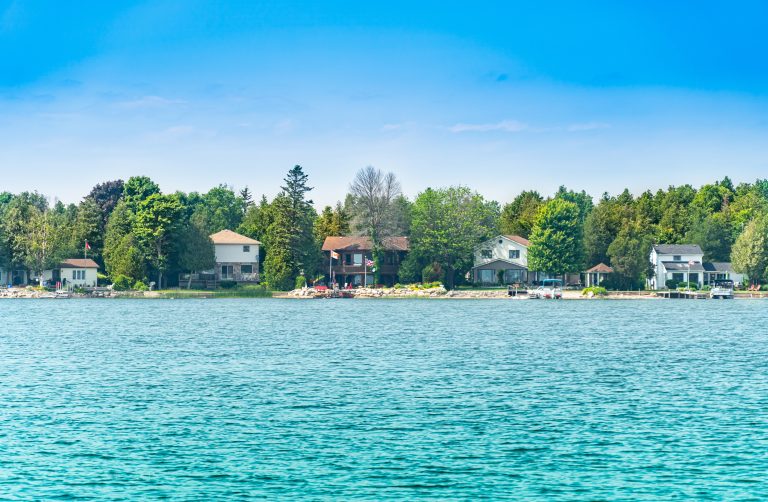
(348, 259)
(237, 257)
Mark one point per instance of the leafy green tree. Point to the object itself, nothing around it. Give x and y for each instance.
(87, 226)
(714, 235)
(220, 208)
(126, 259)
(602, 226)
(330, 222)
(519, 216)
(139, 188)
(156, 221)
(447, 225)
(197, 250)
(750, 251)
(556, 239)
(280, 266)
(629, 256)
(582, 200)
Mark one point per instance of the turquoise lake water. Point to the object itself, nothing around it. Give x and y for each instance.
(400, 399)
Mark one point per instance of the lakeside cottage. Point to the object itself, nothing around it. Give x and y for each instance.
(236, 259)
(13, 277)
(349, 259)
(685, 263)
(503, 259)
(73, 273)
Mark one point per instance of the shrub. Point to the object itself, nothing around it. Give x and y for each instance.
(398, 286)
(140, 286)
(764, 287)
(431, 272)
(595, 290)
(227, 284)
(301, 281)
(706, 288)
(688, 285)
(671, 284)
(121, 283)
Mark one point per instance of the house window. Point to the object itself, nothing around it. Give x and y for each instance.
(487, 276)
(486, 253)
(358, 259)
(74, 275)
(227, 272)
(677, 257)
(246, 269)
(347, 259)
(678, 277)
(501, 241)
(514, 254)
(246, 249)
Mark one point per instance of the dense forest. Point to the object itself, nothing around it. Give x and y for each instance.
(138, 234)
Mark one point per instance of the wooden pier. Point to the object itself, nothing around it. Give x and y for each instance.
(684, 295)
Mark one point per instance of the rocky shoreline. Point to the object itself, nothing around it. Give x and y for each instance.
(441, 292)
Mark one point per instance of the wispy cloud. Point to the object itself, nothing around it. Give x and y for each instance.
(148, 102)
(504, 126)
(588, 126)
(517, 126)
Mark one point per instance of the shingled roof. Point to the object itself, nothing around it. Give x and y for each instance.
(678, 249)
(230, 237)
(78, 263)
(351, 243)
(520, 240)
(600, 268)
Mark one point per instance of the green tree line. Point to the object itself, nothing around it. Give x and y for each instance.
(138, 233)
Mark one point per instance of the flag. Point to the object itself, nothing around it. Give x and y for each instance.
(368, 263)
(87, 246)
(335, 255)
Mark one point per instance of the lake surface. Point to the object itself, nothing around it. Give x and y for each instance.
(398, 399)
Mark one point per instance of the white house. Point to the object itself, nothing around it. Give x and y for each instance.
(504, 257)
(685, 263)
(237, 257)
(73, 273)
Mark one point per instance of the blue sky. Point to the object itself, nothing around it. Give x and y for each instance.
(499, 96)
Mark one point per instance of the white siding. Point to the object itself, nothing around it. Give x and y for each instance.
(233, 253)
(499, 248)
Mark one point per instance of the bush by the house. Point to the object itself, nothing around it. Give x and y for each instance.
(227, 284)
(688, 285)
(140, 286)
(595, 290)
(671, 284)
(301, 281)
(121, 283)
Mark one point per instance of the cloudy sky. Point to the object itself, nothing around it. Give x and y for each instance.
(501, 96)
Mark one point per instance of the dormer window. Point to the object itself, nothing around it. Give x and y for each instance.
(246, 249)
(677, 257)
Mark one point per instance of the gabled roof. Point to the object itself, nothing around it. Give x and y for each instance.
(600, 268)
(78, 263)
(512, 265)
(352, 243)
(520, 240)
(514, 238)
(722, 266)
(683, 266)
(678, 249)
(230, 237)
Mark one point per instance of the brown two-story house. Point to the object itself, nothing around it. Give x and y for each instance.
(351, 255)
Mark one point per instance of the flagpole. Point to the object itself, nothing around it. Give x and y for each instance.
(85, 250)
(365, 271)
(330, 268)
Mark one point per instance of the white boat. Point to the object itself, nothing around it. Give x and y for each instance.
(62, 293)
(722, 289)
(550, 289)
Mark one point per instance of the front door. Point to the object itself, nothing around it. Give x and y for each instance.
(227, 272)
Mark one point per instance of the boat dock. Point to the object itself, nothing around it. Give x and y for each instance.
(684, 295)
